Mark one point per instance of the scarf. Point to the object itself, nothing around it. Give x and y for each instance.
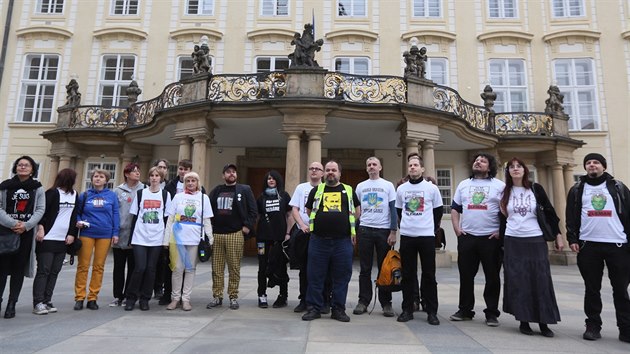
(20, 202)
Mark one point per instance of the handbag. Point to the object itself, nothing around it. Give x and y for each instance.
(543, 223)
(9, 241)
(204, 250)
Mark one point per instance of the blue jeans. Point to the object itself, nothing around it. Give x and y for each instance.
(324, 255)
(370, 239)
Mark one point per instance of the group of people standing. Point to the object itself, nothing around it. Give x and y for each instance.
(497, 224)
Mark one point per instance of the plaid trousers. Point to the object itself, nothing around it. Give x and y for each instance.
(227, 248)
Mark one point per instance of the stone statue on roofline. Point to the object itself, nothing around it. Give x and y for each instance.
(305, 47)
(201, 57)
(73, 96)
(415, 62)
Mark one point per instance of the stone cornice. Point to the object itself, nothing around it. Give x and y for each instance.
(62, 32)
(505, 34)
(571, 33)
(449, 36)
(270, 31)
(196, 31)
(352, 33)
(113, 31)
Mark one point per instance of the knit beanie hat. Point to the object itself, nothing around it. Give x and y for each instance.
(595, 156)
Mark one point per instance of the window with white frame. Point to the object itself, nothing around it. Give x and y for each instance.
(117, 72)
(437, 70)
(266, 64)
(353, 65)
(107, 166)
(124, 7)
(576, 81)
(502, 9)
(200, 7)
(49, 6)
(445, 183)
(38, 85)
(274, 7)
(567, 8)
(184, 67)
(427, 8)
(508, 80)
(352, 8)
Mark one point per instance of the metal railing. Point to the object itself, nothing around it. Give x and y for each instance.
(448, 100)
(246, 88)
(523, 123)
(98, 117)
(365, 89)
(143, 112)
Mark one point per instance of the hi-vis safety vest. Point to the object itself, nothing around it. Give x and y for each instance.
(317, 200)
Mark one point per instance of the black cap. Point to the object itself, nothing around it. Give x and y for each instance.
(595, 156)
(228, 166)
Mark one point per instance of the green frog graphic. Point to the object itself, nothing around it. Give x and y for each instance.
(478, 197)
(189, 210)
(598, 201)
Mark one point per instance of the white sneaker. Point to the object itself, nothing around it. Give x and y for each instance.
(116, 302)
(51, 308)
(40, 309)
(262, 302)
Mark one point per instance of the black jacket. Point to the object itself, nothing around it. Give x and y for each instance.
(52, 209)
(246, 205)
(620, 195)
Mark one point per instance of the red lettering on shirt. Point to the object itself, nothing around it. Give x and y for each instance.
(599, 213)
(477, 207)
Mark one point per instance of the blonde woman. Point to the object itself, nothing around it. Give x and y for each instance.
(189, 213)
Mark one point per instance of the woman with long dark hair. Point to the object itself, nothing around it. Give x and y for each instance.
(528, 290)
(274, 227)
(55, 230)
(22, 204)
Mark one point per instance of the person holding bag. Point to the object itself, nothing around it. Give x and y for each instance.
(22, 204)
(528, 289)
(188, 215)
(55, 231)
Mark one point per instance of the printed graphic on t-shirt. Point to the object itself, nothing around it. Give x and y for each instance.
(521, 204)
(414, 202)
(151, 216)
(332, 202)
(477, 197)
(21, 198)
(65, 205)
(598, 202)
(372, 200)
(98, 202)
(189, 211)
(224, 203)
(272, 205)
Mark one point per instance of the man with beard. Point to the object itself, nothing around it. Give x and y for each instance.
(333, 207)
(419, 205)
(377, 231)
(235, 213)
(475, 218)
(597, 229)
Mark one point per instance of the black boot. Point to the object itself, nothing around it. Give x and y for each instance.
(10, 311)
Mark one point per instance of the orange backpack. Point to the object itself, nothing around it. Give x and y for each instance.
(390, 275)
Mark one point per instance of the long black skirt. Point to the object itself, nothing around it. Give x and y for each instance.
(527, 288)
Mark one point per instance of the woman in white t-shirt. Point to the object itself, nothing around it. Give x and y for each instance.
(188, 214)
(528, 289)
(149, 206)
(55, 230)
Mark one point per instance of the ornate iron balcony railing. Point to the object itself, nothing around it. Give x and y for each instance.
(365, 89)
(143, 112)
(448, 100)
(523, 123)
(98, 117)
(245, 88)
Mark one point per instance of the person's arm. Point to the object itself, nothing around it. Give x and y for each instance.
(572, 224)
(116, 219)
(393, 223)
(437, 217)
(168, 230)
(455, 216)
(295, 212)
(40, 207)
(251, 210)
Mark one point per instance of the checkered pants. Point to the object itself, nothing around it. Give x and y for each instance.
(227, 248)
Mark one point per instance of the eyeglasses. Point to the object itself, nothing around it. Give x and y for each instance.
(164, 167)
(23, 165)
(315, 169)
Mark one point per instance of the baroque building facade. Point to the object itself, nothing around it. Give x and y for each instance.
(252, 109)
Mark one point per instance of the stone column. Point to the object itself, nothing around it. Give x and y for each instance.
(199, 156)
(314, 148)
(559, 195)
(52, 171)
(184, 149)
(79, 166)
(64, 162)
(428, 156)
(568, 177)
(292, 172)
(411, 145)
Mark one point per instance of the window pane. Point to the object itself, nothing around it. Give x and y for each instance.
(263, 64)
(281, 63)
(361, 67)
(342, 65)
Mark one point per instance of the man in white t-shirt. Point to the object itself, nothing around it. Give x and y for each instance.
(475, 218)
(300, 236)
(419, 205)
(377, 231)
(598, 223)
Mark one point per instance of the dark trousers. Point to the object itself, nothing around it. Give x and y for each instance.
(158, 283)
(48, 267)
(591, 260)
(122, 258)
(14, 265)
(370, 239)
(140, 285)
(163, 264)
(303, 275)
(410, 248)
(328, 256)
(263, 261)
(473, 250)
